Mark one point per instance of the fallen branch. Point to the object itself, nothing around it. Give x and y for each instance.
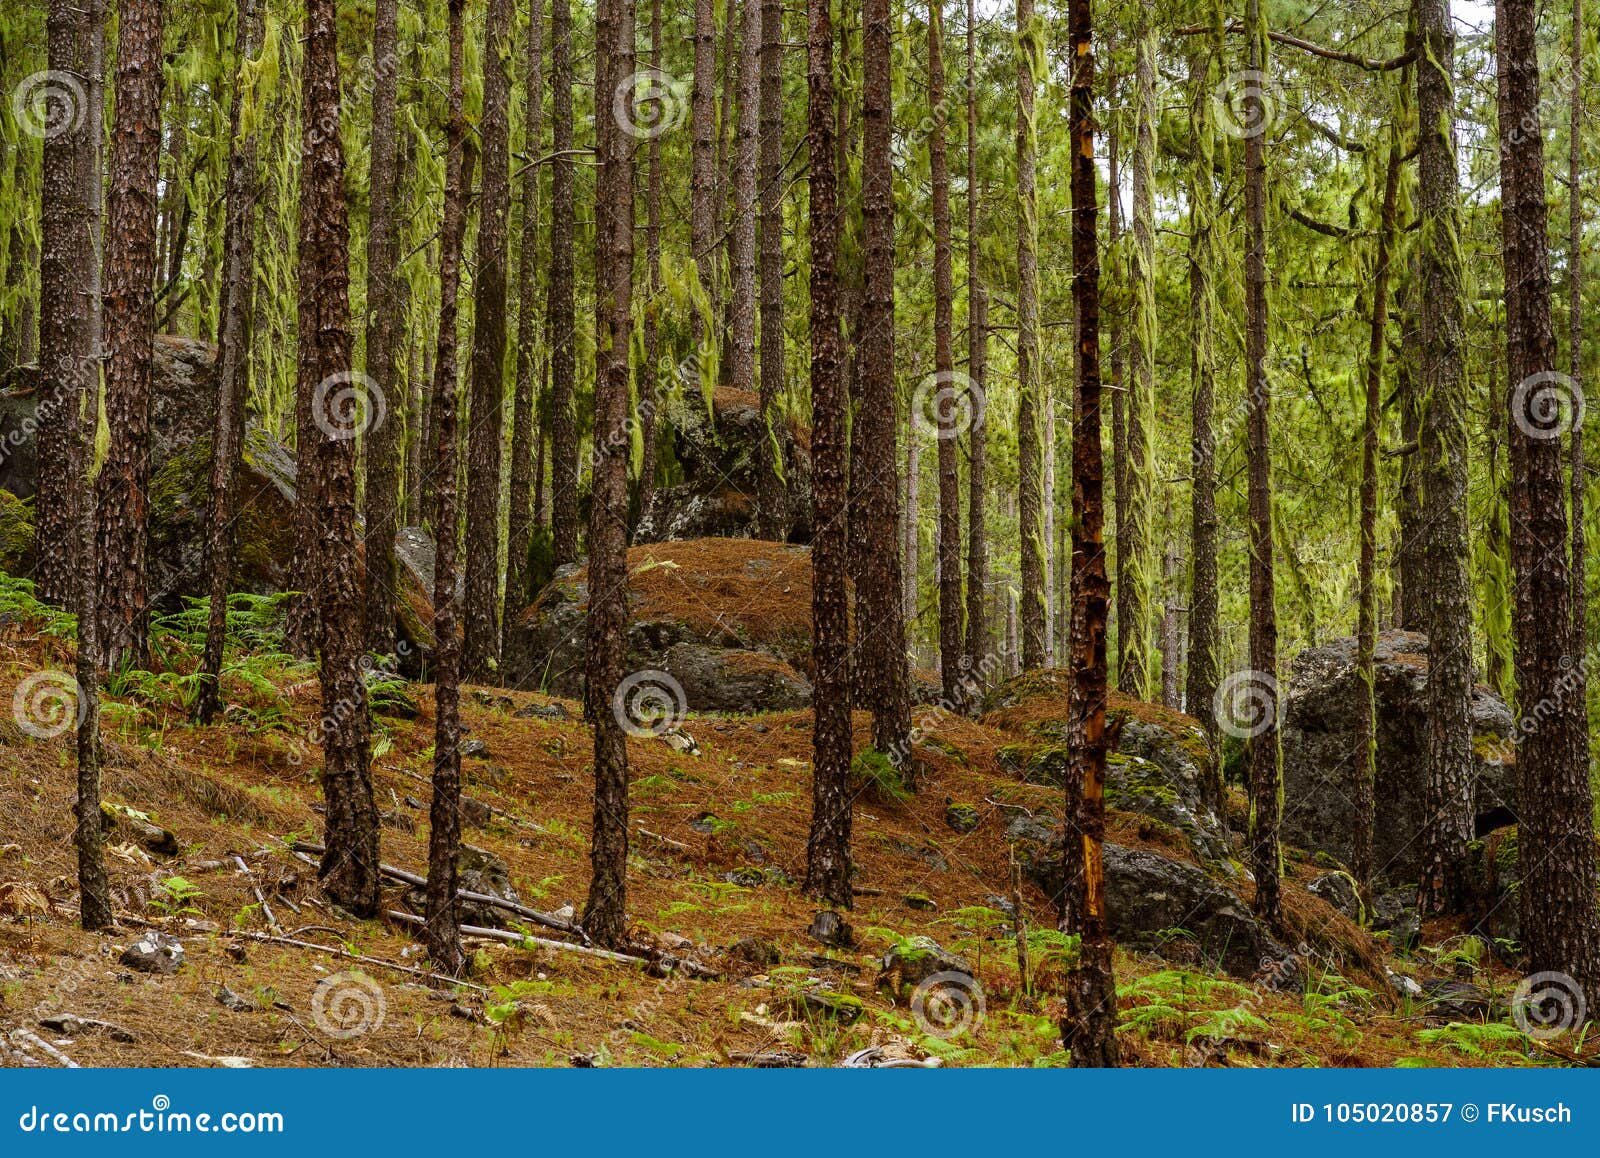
(548, 920)
(357, 957)
(526, 939)
(44, 1047)
(266, 909)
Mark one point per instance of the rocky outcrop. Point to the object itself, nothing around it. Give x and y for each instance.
(1324, 698)
(718, 456)
(728, 619)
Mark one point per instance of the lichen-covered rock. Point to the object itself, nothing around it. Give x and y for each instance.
(728, 619)
(1324, 699)
(1338, 888)
(478, 871)
(154, 952)
(909, 963)
(718, 454)
(17, 553)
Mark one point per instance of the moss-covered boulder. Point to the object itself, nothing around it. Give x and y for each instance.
(715, 458)
(728, 619)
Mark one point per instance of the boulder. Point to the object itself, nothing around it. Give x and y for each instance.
(154, 952)
(1339, 890)
(717, 453)
(1161, 905)
(1324, 698)
(183, 408)
(728, 620)
(478, 871)
(910, 962)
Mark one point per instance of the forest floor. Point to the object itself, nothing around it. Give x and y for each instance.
(718, 846)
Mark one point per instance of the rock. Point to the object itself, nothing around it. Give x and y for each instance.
(17, 554)
(921, 902)
(719, 625)
(154, 952)
(1496, 880)
(475, 812)
(150, 836)
(735, 679)
(1324, 697)
(718, 455)
(228, 999)
(845, 1008)
(1339, 890)
(1457, 1001)
(74, 1025)
(551, 711)
(830, 929)
(911, 962)
(478, 871)
(754, 951)
(1402, 985)
(962, 818)
(475, 749)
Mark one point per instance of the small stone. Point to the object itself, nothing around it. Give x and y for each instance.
(237, 952)
(919, 958)
(962, 818)
(154, 953)
(921, 902)
(542, 712)
(1339, 890)
(1404, 986)
(228, 999)
(475, 812)
(477, 749)
(755, 951)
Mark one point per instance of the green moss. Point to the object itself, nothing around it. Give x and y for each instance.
(962, 818)
(16, 535)
(874, 773)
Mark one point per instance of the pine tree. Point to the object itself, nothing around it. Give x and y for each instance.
(1555, 838)
(828, 869)
(950, 643)
(442, 918)
(561, 319)
(1030, 404)
(771, 500)
(349, 867)
(977, 642)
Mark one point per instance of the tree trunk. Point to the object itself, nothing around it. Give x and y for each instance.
(703, 238)
(1030, 449)
(350, 866)
(524, 429)
(828, 869)
(1579, 555)
(384, 334)
(948, 398)
(880, 648)
(1443, 452)
(481, 646)
(1135, 561)
(442, 916)
(1263, 756)
(123, 485)
(1366, 747)
(1200, 687)
(742, 235)
(69, 359)
(649, 388)
(1555, 843)
(772, 503)
(563, 353)
(605, 911)
(233, 366)
(1088, 1030)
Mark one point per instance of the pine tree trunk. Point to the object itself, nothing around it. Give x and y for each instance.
(123, 485)
(605, 911)
(950, 400)
(1135, 562)
(1263, 756)
(649, 388)
(1365, 756)
(524, 429)
(1555, 841)
(1089, 1028)
(772, 502)
(384, 335)
(233, 367)
(1575, 115)
(562, 320)
(350, 866)
(746, 210)
(481, 646)
(881, 647)
(828, 869)
(1030, 448)
(1121, 509)
(703, 179)
(69, 359)
(1200, 687)
(1443, 452)
(442, 929)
